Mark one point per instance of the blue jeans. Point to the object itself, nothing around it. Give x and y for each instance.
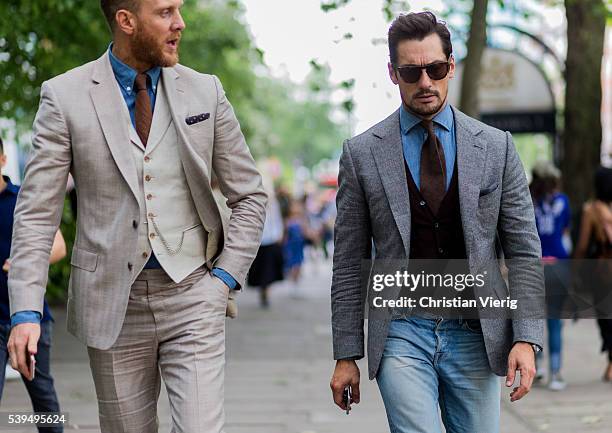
(555, 344)
(557, 278)
(41, 389)
(433, 362)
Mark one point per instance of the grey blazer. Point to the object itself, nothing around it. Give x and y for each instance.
(373, 208)
(79, 129)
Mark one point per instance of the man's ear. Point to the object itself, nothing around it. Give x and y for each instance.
(125, 21)
(451, 71)
(392, 73)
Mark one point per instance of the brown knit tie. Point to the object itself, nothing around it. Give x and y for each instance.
(433, 169)
(143, 109)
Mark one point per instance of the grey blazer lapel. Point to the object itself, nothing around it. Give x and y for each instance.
(471, 152)
(389, 158)
(109, 105)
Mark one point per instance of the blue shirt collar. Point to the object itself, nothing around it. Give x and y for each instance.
(408, 120)
(126, 75)
(10, 188)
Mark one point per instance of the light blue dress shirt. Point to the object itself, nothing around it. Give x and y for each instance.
(414, 135)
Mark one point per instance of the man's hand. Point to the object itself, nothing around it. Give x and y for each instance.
(22, 343)
(521, 358)
(6, 265)
(346, 373)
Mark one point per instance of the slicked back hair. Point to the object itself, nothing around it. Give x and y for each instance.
(417, 26)
(110, 8)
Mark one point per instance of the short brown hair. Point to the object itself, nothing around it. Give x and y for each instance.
(110, 8)
(417, 26)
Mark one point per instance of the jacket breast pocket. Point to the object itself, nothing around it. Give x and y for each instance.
(84, 259)
(488, 190)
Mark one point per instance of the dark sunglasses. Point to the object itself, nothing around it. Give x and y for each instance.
(435, 71)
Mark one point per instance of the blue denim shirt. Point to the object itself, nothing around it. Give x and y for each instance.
(414, 135)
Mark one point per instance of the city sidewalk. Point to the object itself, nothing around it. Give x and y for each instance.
(279, 365)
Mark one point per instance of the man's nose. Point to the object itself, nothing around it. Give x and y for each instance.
(179, 24)
(424, 80)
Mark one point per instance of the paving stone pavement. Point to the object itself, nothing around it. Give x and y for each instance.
(279, 365)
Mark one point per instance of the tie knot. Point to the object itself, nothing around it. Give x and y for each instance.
(428, 125)
(141, 82)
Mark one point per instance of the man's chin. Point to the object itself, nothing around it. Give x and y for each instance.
(425, 109)
(169, 60)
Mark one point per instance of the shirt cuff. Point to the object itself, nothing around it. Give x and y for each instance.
(25, 317)
(225, 277)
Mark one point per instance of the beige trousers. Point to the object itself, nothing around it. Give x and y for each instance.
(171, 331)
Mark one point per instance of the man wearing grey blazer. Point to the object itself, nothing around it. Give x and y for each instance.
(152, 264)
(429, 182)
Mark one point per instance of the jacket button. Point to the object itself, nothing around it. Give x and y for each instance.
(440, 250)
(422, 203)
(135, 224)
(147, 158)
(148, 178)
(437, 225)
(130, 266)
(145, 255)
(149, 196)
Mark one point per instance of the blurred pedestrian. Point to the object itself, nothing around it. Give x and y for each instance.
(41, 389)
(296, 229)
(152, 266)
(552, 212)
(595, 242)
(267, 267)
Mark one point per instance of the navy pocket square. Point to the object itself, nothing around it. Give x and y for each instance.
(191, 120)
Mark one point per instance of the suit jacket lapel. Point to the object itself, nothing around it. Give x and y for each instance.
(161, 118)
(135, 138)
(196, 170)
(389, 157)
(111, 110)
(471, 151)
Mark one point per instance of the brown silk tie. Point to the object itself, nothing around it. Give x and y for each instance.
(143, 115)
(433, 169)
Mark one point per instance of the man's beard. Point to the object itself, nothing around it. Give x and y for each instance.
(427, 110)
(146, 49)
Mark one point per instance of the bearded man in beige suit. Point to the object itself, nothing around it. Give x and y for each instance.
(151, 265)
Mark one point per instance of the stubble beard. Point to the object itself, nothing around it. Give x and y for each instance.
(425, 110)
(147, 49)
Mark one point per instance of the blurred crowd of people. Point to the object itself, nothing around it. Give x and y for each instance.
(593, 241)
(295, 227)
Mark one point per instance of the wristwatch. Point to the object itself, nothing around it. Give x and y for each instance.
(536, 348)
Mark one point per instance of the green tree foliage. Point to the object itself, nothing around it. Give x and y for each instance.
(41, 39)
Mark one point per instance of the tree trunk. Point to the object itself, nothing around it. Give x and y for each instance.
(476, 43)
(586, 23)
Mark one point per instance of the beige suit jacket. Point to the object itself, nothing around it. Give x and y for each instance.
(79, 130)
